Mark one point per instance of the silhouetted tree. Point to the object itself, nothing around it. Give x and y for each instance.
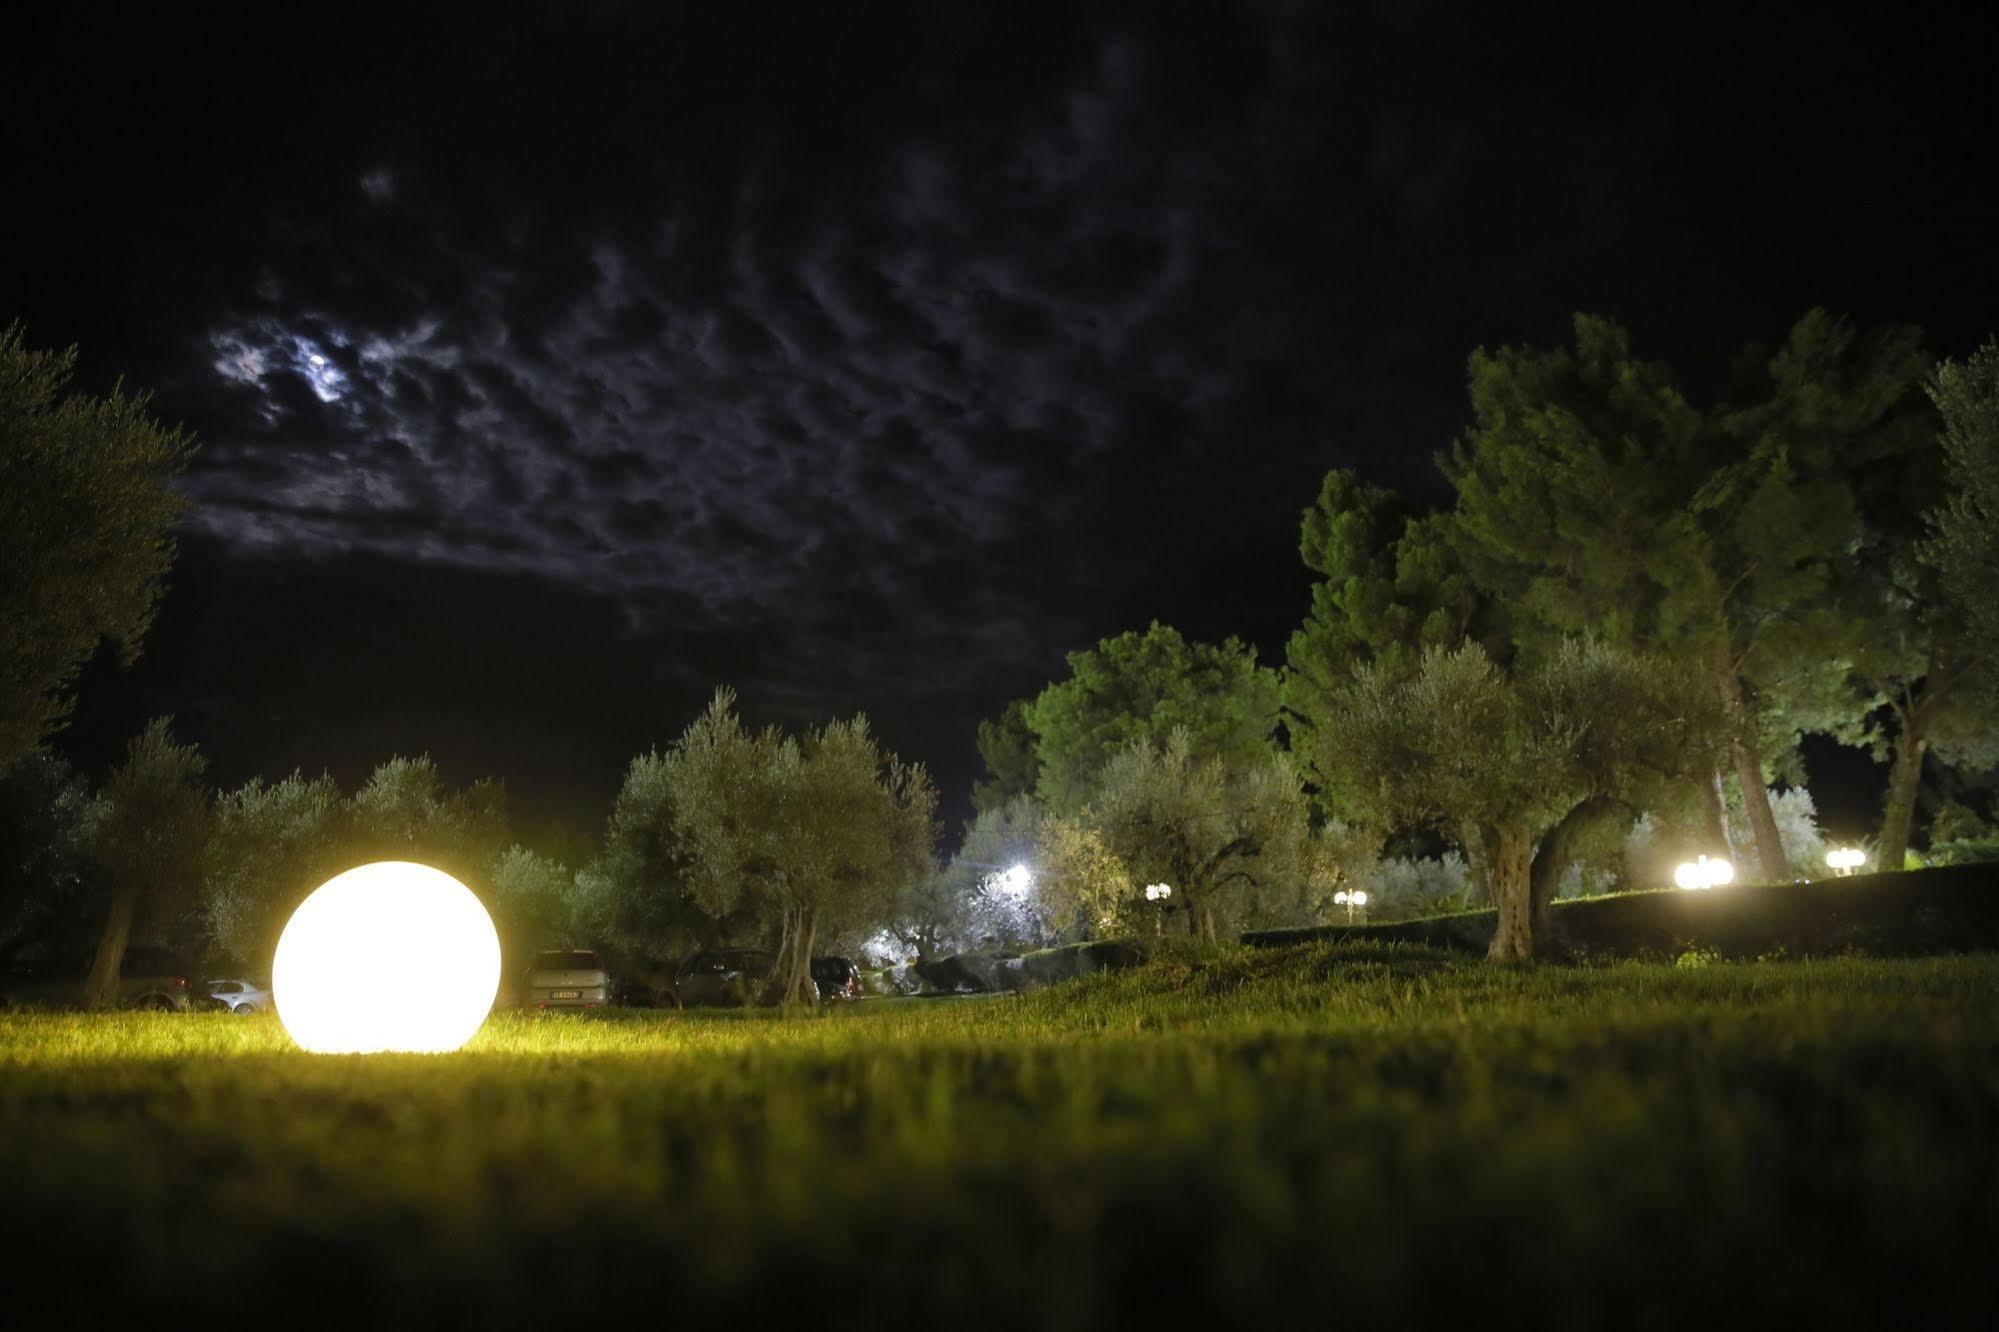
(147, 838)
(86, 512)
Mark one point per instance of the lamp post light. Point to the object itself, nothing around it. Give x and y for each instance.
(1158, 892)
(1016, 879)
(1704, 873)
(1845, 860)
(1354, 901)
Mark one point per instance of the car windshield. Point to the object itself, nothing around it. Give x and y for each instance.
(571, 961)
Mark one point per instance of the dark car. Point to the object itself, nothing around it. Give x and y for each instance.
(627, 992)
(53, 977)
(837, 978)
(725, 977)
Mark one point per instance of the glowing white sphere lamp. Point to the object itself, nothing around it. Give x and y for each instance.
(1704, 873)
(389, 956)
(1017, 879)
(1845, 859)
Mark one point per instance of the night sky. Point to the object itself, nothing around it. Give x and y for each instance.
(553, 370)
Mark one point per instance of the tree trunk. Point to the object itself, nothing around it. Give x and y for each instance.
(1776, 866)
(1912, 743)
(1481, 879)
(1198, 908)
(100, 988)
(799, 989)
(1714, 817)
(1904, 778)
(1556, 853)
(1509, 860)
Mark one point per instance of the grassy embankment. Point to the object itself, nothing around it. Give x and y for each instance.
(1312, 1134)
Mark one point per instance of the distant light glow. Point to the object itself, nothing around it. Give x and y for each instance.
(1017, 879)
(1158, 892)
(328, 381)
(1704, 873)
(1845, 859)
(389, 956)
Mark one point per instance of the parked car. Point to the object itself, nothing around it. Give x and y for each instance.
(240, 996)
(53, 977)
(571, 978)
(629, 993)
(728, 977)
(837, 978)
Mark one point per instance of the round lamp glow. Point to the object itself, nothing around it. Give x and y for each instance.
(390, 956)
(1704, 873)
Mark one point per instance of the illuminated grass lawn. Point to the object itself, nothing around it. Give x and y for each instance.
(1303, 1134)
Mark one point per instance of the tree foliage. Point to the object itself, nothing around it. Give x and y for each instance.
(45, 817)
(636, 890)
(86, 516)
(1391, 586)
(1217, 832)
(404, 812)
(818, 830)
(272, 845)
(1964, 546)
(1076, 887)
(1143, 686)
(1013, 767)
(535, 904)
(1515, 764)
(1597, 499)
(147, 838)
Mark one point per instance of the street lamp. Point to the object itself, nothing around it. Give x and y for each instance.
(1017, 879)
(1158, 892)
(1845, 859)
(1704, 873)
(1353, 901)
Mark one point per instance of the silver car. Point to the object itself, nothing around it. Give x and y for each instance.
(240, 996)
(574, 978)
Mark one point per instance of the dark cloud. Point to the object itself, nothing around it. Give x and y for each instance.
(875, 359)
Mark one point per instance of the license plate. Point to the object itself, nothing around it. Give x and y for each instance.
(565, 994)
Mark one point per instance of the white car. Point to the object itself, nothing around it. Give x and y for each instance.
(240, 996)
(574, 978)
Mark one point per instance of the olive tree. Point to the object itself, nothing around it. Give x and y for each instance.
(272, 845)
(1516, 765)
(87, 511)
(821, 830)
(534, 903)
(1213, 830)
(404, 812)
(146, 841)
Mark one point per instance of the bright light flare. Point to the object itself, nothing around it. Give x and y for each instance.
(1704, 873)
(1017, 879)
(1846, 859)
(1158, 892)
(389, 956)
